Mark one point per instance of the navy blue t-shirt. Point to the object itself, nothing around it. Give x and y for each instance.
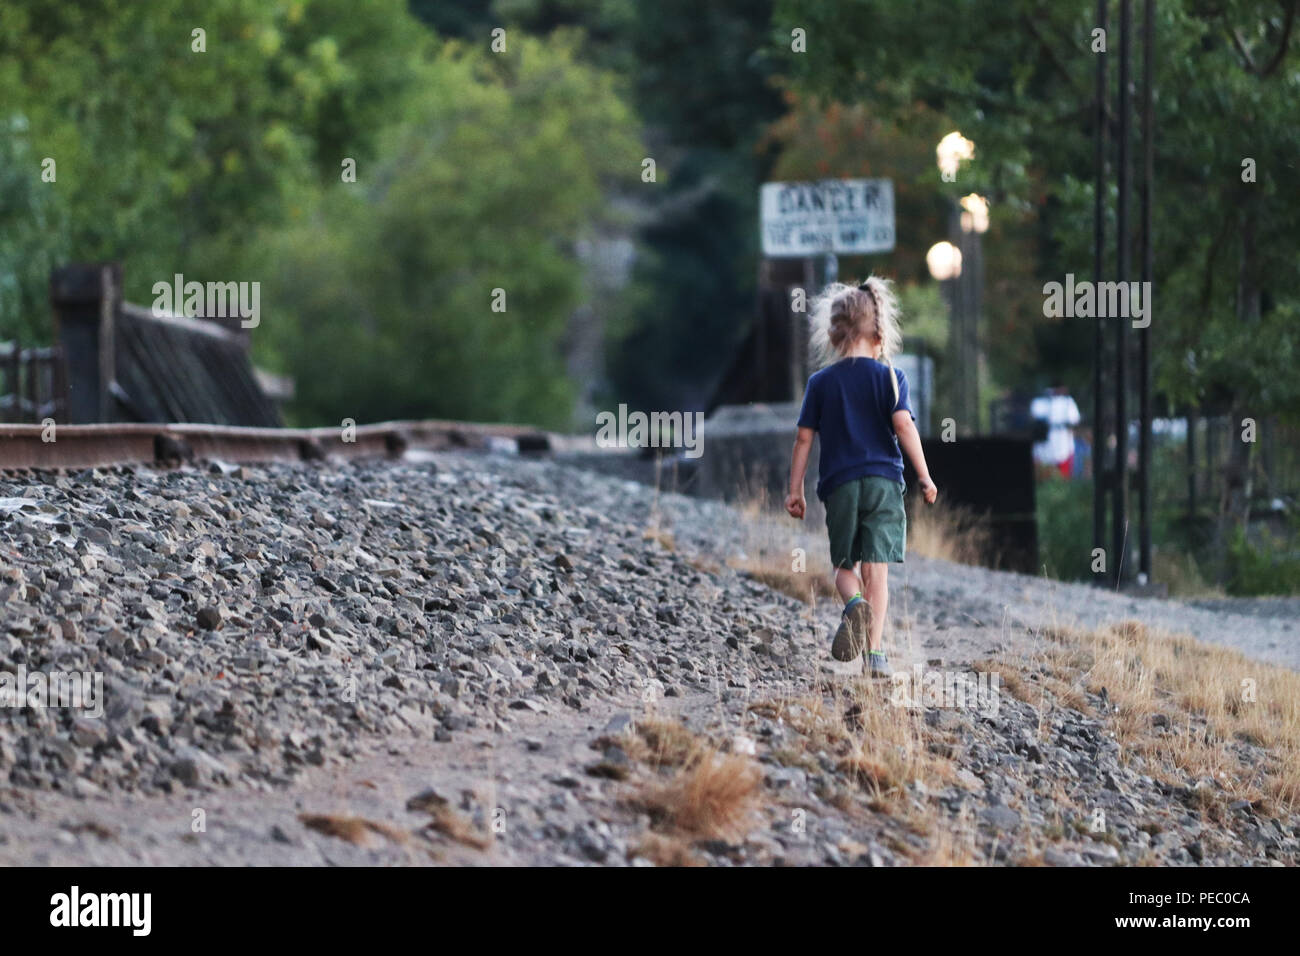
(850, 404)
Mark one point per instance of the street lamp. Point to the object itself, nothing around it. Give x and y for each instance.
(972, 223)
(951, 151)
(944, 261)
(975, 214)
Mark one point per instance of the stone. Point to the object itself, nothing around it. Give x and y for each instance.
(208, 618)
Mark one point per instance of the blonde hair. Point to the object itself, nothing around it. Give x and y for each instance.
(843, 314)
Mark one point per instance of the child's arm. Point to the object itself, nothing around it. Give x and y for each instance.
(910, 439)
(794, 502)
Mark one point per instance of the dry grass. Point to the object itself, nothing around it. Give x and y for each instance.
(951, 533)
(775, 545)
(1182, 575)
(1177, 706)
(456, 827)
(1010, 680)
(952, 845)
(656, 741)
(662, 850)
(878, 746)
(800, 585)
(714, 795)
(710, 794)
(356, 830)
(1188, 707)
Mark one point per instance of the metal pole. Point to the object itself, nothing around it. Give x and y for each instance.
(1191, 469)
(961, 327)
(760, 326)
(977, 296)
(1148, 268)
(1119, 517)
(1100, 433)
(799, 344)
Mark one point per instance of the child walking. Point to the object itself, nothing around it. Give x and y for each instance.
(858, 403)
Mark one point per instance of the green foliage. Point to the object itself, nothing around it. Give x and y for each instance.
(1269, 565)
(474, 172)
(1064, 510)
(1016, 76)
(164, 153)
(34, 237)
(701, 80)
(925, 316)
(380, 302)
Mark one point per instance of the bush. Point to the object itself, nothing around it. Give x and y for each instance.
(1267, 566)
(1064, 511)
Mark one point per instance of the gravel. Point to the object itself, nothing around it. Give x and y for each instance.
(470, 635)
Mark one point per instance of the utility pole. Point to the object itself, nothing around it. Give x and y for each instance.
(975, 287)
(1148, 268)
(1119, 515)
(1100, 433)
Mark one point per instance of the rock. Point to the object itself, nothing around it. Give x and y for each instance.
(427, 801)
(618, 724)
(1054, 856)
(186, 770)
(208, 618)
(1001, 817)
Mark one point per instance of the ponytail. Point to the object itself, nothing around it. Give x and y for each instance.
(886, 308)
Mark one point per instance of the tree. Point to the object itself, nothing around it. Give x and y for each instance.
(1224, 332)
(498, 167)
(169, 142)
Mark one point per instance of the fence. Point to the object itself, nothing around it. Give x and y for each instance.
(1274, 460)
(33, 383)
(1191, 457)
(129, 364)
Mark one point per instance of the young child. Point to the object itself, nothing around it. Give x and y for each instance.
(858, 403)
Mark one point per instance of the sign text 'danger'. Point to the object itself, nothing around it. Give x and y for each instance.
(843, 216)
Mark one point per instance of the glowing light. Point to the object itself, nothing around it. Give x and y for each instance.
(975, 214)
(944, 261)
(952, 150)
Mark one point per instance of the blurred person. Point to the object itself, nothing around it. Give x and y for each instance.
(858, 404)
(1055, 415)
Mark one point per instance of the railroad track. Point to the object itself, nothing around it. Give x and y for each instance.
(89, 446)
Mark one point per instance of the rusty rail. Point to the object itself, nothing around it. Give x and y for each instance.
(89, 446)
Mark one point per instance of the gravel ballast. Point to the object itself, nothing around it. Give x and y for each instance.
(468, 635)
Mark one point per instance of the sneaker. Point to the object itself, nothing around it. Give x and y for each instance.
(853, 633)
(878, 665)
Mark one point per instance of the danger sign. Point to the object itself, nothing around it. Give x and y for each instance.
(843, 216)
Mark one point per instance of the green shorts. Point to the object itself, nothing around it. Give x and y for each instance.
(866, 522)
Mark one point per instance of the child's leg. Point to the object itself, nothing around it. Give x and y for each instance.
(875, 588)
(848, 583)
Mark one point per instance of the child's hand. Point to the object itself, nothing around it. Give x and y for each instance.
(795, 505)
(929, 490)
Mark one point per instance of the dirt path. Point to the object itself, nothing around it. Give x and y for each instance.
(478, 772)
